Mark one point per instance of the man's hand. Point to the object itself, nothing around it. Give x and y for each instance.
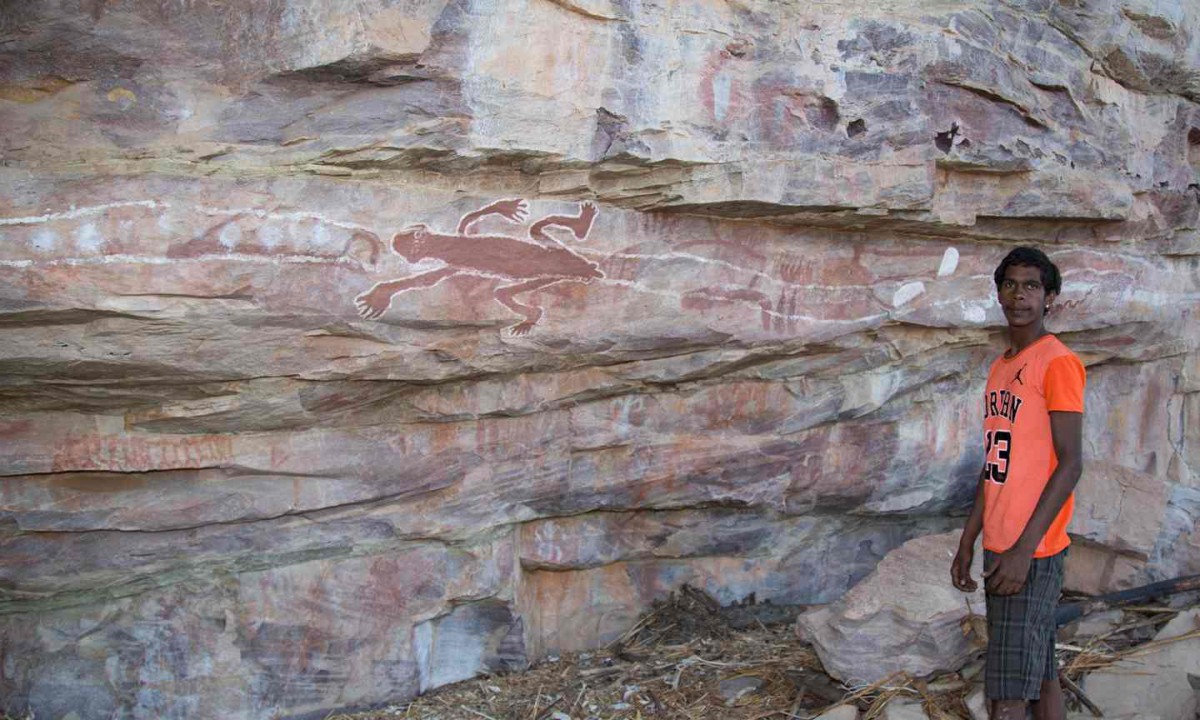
(960, 569)
(1010, 571)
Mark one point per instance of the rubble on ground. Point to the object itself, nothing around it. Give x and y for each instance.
(690, 659)
(1154, 680)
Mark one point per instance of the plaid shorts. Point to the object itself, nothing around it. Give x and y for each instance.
(1021, 631)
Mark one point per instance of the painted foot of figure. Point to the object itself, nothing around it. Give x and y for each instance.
(587, 213)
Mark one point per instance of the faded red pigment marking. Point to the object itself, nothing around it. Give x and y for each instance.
(16, 427)
(777, 316)
(137, 454)
(737, 247)
(72, 484)
(525, 265)
(243, 233)
(717, 70)
(279, 457)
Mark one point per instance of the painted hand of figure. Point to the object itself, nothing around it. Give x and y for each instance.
(373, 303)
(521, 329)
(515, 210)
(1007, 575)
(960, 570)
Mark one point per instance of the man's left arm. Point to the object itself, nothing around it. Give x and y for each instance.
(1007, 575)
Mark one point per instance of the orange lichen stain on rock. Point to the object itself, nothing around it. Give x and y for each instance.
(122, 97)
(734, 404)
(571, 610)
(142, 454)
(444, 437)
(35, 91)
(98, 482)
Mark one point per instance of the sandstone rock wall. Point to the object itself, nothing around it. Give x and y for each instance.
(734, 336)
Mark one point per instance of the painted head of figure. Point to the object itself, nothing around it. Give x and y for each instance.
(1027, 283)
(408, 243)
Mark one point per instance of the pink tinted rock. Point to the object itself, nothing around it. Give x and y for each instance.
(1095, 570)
(1119, 508)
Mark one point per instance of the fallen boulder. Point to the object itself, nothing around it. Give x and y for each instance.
(903, 617)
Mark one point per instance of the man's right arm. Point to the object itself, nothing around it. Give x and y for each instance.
(960, 567)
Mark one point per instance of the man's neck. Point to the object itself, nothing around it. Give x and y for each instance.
(1020, 338)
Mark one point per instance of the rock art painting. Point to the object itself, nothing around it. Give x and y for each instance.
(256, 464)
(522, 265)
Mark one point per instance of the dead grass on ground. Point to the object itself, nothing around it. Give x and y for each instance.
(688, 658)
(685, 660)
(681, 661)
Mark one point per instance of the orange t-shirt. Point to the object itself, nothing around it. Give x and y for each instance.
(1021, 393)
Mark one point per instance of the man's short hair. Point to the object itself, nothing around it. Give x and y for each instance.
(1031, 257)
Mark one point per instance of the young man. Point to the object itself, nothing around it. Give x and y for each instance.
(1033, 421)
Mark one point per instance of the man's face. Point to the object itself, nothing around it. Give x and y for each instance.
(1022, 295)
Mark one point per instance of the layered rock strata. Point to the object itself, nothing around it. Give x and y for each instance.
(352, 348)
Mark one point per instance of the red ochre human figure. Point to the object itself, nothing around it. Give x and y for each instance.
(525, 265)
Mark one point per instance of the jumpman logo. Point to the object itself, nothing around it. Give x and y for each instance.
(1017, 377)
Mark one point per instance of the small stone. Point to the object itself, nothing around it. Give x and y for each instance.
(945, 684)
(841, 712)
(977, 704)
(972, 670)
(735, 688)
(904, 710)
(1092, 625)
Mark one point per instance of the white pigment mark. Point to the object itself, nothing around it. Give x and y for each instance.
(949, 262)
(321, 238)
(88, 238)
(270, 236)
(77, 213)
(159, 260)
(44, 240)
(721, 87)
(907, 292)
(230, 236)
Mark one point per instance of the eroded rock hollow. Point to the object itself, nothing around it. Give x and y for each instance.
(349, 348)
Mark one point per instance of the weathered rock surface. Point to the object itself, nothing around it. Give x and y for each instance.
(1158, 683)
(903, 617)
(237, 478)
